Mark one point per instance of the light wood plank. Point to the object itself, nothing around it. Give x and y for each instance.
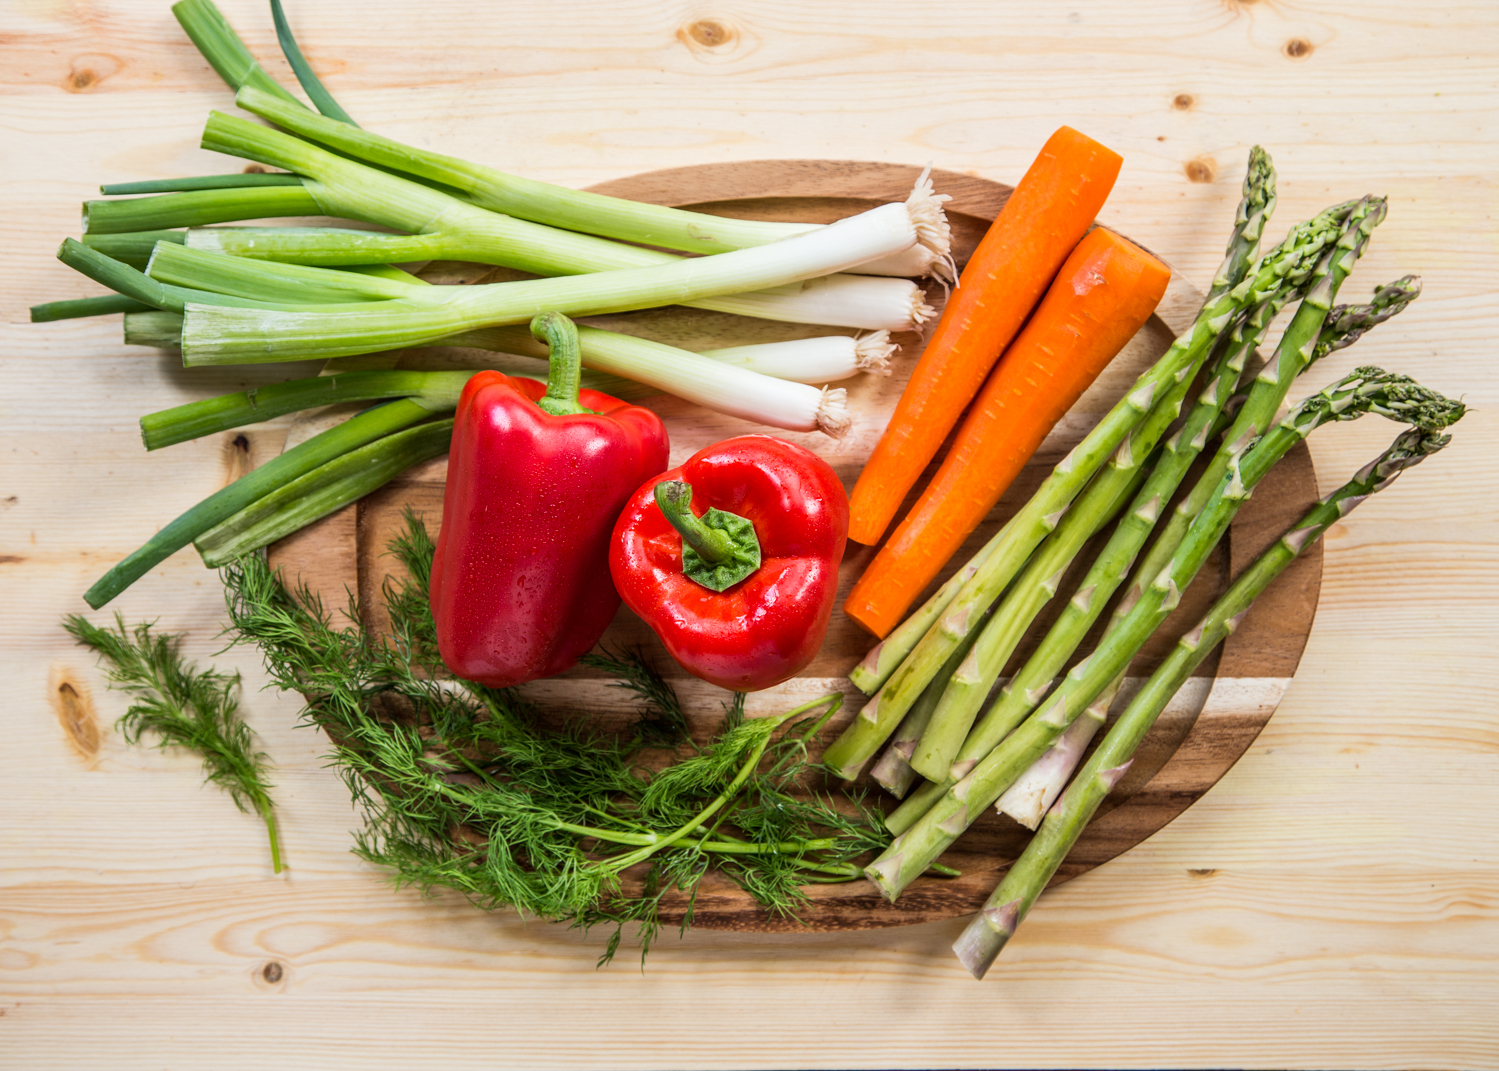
(1351, 914)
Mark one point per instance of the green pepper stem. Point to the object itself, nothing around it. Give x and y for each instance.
(674, 498)
(564, 363)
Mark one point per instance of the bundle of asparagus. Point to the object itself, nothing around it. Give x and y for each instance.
(995, 924)
(931, 676)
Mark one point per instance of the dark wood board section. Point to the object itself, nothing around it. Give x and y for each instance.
(1195, 742)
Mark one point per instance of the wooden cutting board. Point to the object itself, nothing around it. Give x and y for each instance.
(1209, 726)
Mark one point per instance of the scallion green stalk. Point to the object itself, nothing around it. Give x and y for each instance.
(126, 280)
(368, 426)
(222, 48)
(352, 190)
(201, 182)
(236, 335)
(313, 495)
(197, 207)
(101, 305)
(575, 210)
(435, 391)
(132, 247)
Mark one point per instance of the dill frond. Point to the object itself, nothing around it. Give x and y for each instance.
(185, 707)
(460, 788)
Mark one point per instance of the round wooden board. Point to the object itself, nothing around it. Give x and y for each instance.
(1211, 723)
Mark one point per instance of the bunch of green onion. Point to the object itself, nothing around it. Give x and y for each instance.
(240, 295)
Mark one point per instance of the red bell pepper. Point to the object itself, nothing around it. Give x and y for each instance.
(536, 477)
(733, 559)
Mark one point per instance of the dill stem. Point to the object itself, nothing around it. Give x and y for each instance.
(641, 854)
(263, 805)
(647, 839)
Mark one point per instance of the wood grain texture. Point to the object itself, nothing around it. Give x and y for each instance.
(347, 552)
(1332, 902)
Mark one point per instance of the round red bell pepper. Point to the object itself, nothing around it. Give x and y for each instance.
(536, 477)
(758, 524)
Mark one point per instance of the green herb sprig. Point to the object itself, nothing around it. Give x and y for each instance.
(184, 707)
(461, 788)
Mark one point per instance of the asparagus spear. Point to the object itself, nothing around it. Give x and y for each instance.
(969, 685)
(1031, 683)
(1365, 390)
(893, 771)
(1298, 346)
(1287, 265)
(1037, 788)
(1254, 211)
(995, 924)
(1346, 324)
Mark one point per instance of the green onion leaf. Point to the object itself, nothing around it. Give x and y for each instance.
(303, 70)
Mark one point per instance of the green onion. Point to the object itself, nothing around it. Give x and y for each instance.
(311, 85)
(102, 305)
(127, 281)
(197, 207)
(460, 231)
(202, 182)
(214, 335)
(436, 391)
(574, 210)
(368, 426)
(813, 360)
(330, 486)
(132, 247)
(724, 388)
(221, 46)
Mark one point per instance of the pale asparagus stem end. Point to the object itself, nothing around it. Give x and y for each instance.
(868, 669)
(1033, 793)
(884, 874)
(982, 939)
(872, 352)
(893, 772)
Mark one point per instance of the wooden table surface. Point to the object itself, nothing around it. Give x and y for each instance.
(1331, 903)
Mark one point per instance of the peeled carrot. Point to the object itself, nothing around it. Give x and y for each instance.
(1046, 215)
(1104, 294)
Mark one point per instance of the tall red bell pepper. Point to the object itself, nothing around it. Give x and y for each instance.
(733, 559)
(536, 477)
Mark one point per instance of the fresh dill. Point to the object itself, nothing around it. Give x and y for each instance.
(184, 707)
(461, 787)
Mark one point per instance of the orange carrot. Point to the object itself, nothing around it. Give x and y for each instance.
(1104, 294)
(1046, 215)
